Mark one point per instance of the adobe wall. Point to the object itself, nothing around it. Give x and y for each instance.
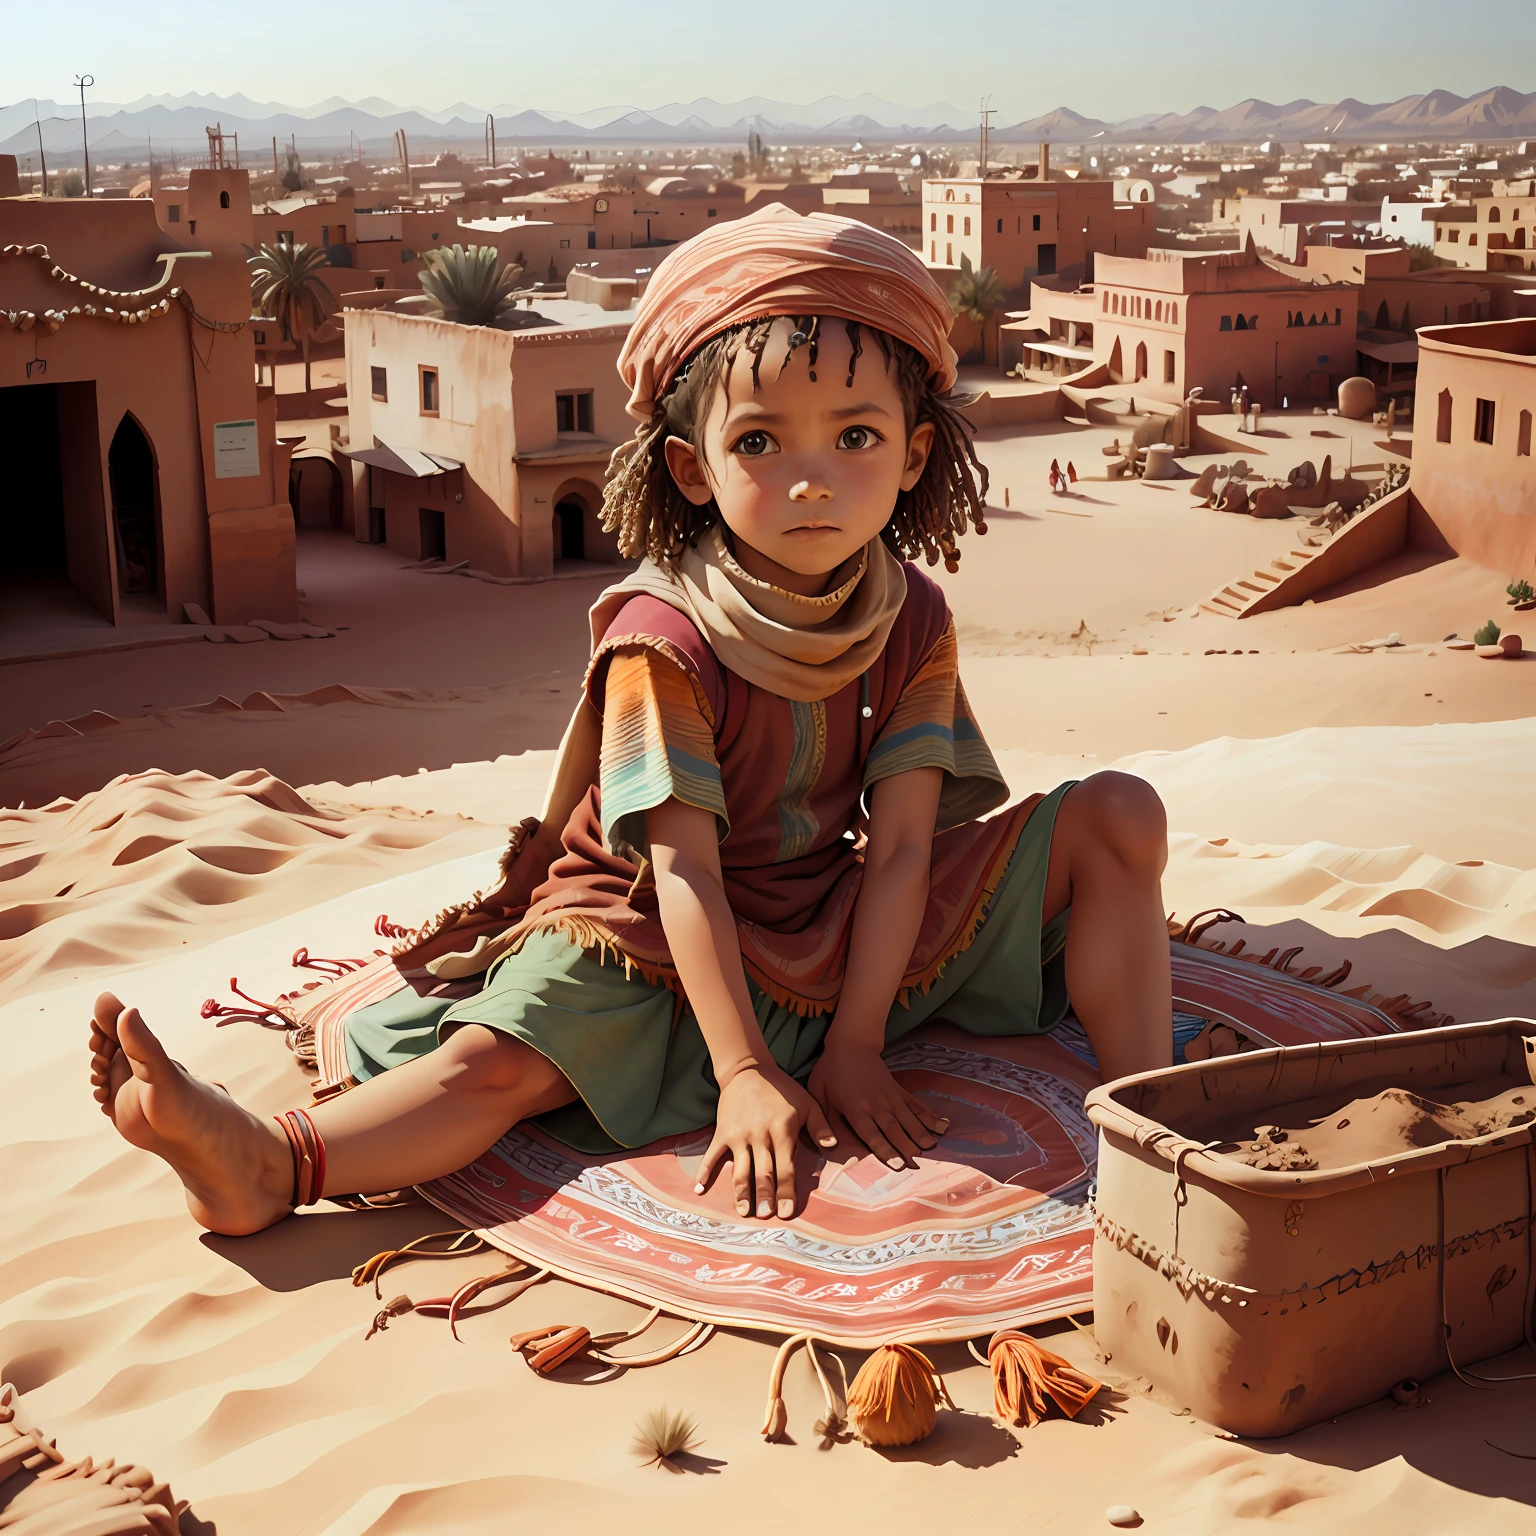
(1479, 496)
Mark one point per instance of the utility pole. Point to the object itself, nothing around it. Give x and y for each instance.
(987, 114)
(41, 155)
(82, 81)
(490, 141)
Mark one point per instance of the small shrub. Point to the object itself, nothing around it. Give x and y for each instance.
(662, 1435)
(1487, 635)
(1520, 591)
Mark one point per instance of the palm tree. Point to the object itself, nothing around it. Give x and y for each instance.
(286, 287)
(976, 294)
(468, 284)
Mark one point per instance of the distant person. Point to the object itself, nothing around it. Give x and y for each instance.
(762, 857)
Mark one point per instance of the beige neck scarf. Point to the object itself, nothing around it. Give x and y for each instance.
(801, 648)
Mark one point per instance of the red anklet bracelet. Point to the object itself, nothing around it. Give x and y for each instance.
(308, 1156)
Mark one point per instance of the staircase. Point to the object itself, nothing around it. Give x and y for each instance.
(1368, 538)
(1238, 598)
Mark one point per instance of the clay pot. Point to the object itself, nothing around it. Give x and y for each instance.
(1357, 399)
(1511, 646)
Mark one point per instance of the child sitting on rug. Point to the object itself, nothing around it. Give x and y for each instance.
(762, 859)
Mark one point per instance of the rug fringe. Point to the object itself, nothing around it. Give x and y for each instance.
(1401, 1007)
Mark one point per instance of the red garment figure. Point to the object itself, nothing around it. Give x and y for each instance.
(1071, 472)
(1056, 476)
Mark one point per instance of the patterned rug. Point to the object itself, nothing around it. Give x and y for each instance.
(993, 1229)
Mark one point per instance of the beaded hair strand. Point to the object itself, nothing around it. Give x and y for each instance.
(652, 518)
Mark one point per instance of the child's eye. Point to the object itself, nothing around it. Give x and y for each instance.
(753, 445)
(858, 437)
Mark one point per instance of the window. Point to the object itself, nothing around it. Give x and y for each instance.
(1104, 305)
(1141, 360)
(714, 213)
(285, 237)
(325, 234)
(1169, 363)
(341, 234)
(379, 383)
(1226, 322)
(1443, 424)
(949, 254)
(565, 245)
(1472, 238)
(429, 392)
(949, 223)
(1046, 261)
(999, 226)
(967, 226)
(1493, 215)
(933, 251)
(1158, 315)
(1455, 236)
(224, 203)
(933, 222)
(1173, 314)
(1482, 422)
(1035, 222)
(173, 213)
(949, 194)
(573, 410)
(260, 338)
(1523, 436)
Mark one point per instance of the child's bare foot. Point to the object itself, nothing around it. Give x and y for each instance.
(237, 1168)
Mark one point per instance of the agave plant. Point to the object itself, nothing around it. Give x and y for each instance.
(286, 287)
(468, 284)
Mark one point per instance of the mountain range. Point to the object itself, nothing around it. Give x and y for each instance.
(336, 126)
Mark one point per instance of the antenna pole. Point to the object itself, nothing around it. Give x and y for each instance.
(82, 81)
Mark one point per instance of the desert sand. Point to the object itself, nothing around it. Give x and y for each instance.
(224, 805)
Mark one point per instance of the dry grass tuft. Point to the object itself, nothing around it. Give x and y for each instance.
(662, 1435)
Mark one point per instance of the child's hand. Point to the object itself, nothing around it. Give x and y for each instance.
(760, 1116)
(856, 1089)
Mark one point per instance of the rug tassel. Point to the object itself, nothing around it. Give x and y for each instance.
(835, 1420)
(895, 1396)
(1025, 1375)
(369, 1271)
(388, 930)
(451, 1306)
(304, 961)
(775, 1415)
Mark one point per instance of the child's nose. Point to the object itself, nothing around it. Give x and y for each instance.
(812, 489)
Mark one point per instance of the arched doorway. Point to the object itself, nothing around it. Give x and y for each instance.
(1116, 364)
(1141, 361)
(135, 509)
(576, 531)
(314, 492)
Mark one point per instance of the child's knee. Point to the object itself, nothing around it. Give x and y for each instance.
(1125, 816)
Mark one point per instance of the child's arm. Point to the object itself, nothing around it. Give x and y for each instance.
(850, 1081)
(762, 1108)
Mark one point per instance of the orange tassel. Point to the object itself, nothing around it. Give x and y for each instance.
(1024, 1375)
(895, 1396)
(545, 1349)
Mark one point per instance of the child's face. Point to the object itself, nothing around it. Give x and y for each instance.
(805, 471)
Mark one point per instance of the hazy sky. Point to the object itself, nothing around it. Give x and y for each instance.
(1106, 58)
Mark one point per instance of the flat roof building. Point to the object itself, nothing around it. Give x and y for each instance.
(1473, 473)
(142, 462)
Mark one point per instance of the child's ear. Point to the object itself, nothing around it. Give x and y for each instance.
(919, 446)
(688, 471)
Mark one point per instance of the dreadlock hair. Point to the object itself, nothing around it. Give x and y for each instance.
(652, 517)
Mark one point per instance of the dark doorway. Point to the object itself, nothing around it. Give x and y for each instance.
(570, 531)
(32, 508)
(1046, 260)
(434, 534)
(131, 468)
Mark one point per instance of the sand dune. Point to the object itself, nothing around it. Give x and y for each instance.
(159, 861)
(238, 1369)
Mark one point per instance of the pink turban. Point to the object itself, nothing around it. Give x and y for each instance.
(779, 262)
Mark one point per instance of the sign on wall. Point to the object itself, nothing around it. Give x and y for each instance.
(236, 450)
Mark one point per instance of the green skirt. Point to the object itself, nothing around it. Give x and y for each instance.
(642, 1076)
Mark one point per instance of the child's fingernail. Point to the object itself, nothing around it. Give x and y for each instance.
(764, 1209)
(743, 1207)
(895, 1162)
(829, 1141)
(786, 1208)
(698, 1189)
(943, 1124)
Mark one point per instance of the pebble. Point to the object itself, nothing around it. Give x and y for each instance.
(1122, 1514)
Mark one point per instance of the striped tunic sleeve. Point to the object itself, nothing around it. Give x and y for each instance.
(932, 727)
(658, 744)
